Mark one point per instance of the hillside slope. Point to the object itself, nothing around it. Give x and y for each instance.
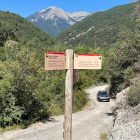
(102, 28)
(14, 27)
(18, 28)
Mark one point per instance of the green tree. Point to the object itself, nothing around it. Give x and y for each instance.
(125, 55)
(17, 88)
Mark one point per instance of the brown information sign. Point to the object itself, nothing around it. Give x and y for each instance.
(75, 76)
(87, 61)
(55, 61)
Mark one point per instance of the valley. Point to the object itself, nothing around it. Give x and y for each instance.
(32, 99)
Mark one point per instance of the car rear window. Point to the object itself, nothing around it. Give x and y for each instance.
(103, 92)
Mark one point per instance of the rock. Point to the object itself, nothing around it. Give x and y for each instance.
(127, 123)
(129, 131)
(121, 97)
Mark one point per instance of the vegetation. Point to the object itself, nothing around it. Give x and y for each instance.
(15, 127)
(120, 64)
(28, 93)
(104, 135)
(14, 27)
(107, 26)
(26, 87)
(133, 98)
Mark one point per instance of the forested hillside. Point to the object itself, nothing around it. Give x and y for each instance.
(13, 26)
(102, 29)
(28, 93)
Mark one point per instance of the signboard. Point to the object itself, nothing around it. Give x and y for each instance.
(55, 61)
(87, 61)
(75, 76)
(58, 61)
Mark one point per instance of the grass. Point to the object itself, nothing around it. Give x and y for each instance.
(113, 108)
(104, 135)
(14, 127)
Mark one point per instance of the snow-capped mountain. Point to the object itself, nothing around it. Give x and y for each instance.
(54, 20)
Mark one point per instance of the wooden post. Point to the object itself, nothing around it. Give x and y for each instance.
(68, 97)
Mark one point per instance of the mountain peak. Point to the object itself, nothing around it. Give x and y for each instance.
(53, 12)
(56, 16)
(53, 8)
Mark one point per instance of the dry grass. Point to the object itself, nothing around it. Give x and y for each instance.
(104, 135)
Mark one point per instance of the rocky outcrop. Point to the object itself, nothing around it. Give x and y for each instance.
(121, 98)
(80, 34)
(127, 122)
(129, 131)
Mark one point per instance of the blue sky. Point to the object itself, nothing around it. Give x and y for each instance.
(29, 7)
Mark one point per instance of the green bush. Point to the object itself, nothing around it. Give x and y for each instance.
(19, 79)
(133, 98)
(128, 75)
(79, 100)
(119, 64)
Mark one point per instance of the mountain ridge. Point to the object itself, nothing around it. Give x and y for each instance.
(54, 20)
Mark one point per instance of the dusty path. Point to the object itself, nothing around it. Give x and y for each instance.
(86, 125)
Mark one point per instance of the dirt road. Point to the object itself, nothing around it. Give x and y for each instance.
(86, 125)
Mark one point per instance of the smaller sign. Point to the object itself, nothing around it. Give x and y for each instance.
(55, 61)
(75, 76)
(87, 61)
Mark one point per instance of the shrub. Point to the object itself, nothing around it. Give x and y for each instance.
(113, 108)
(103, 135)
(79, 100)
(19, 79)
(128, 75)
(137, 66)
(126, 55)
(133, 98)
(11, 128)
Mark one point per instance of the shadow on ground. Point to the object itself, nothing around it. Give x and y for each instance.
(109, 114)
(50, 120)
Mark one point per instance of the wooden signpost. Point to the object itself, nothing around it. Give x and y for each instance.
(58, 61)
(68, 97)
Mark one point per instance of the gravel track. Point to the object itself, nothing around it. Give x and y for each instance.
(86, 124)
